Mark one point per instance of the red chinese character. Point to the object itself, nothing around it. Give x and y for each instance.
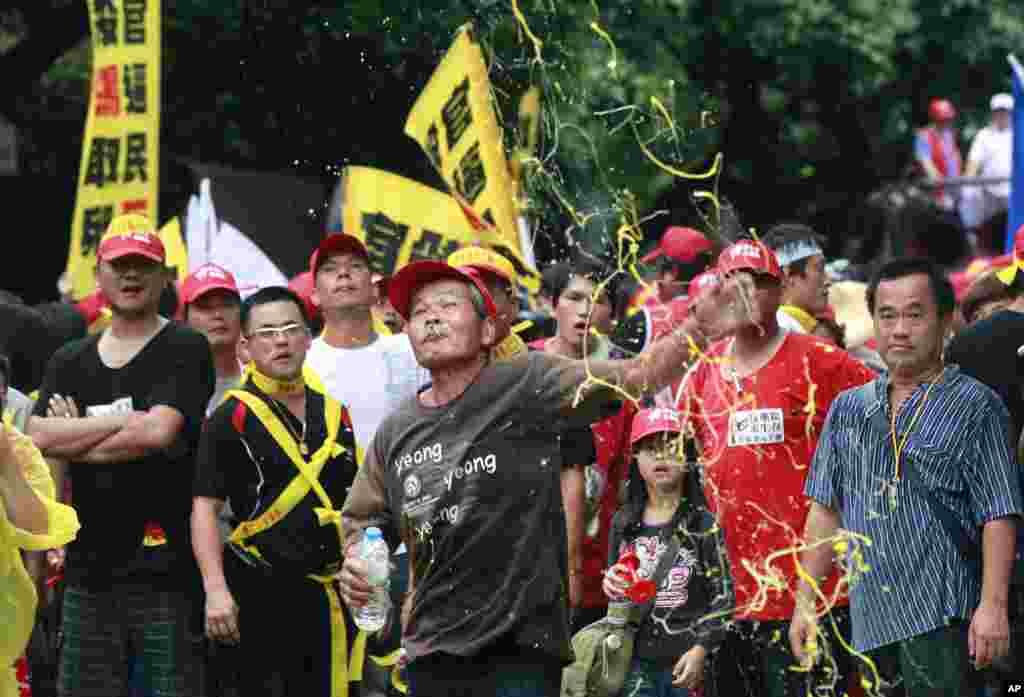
(108, 96)
(139, 205)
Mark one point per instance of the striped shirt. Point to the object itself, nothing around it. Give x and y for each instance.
(915, 579)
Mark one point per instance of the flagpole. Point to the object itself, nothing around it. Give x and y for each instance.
(1015, 217)
(1017, 68)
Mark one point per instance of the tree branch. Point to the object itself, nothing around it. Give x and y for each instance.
(50, 35)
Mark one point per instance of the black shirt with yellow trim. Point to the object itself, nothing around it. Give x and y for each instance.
(240, 462)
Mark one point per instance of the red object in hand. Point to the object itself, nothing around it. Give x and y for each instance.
(631, 560)
(643, 591)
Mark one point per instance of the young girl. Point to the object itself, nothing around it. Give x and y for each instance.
(687, 621)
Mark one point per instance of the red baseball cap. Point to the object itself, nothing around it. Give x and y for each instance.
(131, 235)
(339, 243)
(701, 283)
(681, 244)
(413, 276)
(206, 278)
(748, 255)
(941, 110)
(659, 420)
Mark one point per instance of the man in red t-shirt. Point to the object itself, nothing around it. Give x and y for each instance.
(757, 404)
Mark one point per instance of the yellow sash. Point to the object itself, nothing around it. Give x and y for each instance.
(308, 479)
(806, 319)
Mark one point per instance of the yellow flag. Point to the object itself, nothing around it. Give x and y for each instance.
(400, 221)
(529, 138)
(454, 122)
(121, 149)
(174, 247)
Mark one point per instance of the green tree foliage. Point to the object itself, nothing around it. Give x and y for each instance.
(812, 102)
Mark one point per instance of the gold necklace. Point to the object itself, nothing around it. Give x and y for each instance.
(900, 443)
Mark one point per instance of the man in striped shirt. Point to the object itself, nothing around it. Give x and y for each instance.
(918, 462)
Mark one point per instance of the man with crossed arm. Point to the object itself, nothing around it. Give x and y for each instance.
(143, 385)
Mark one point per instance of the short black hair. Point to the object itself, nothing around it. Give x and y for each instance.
(5, 369)
(270, 294)
(942, 289)
(782, 234)
(558, 277)
(554, 276)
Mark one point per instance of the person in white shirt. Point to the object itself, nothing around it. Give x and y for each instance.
(991, 156)
(367, 372)
(370, 373)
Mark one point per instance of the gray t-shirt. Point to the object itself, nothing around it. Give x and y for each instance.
(473, 488)
(221, 388)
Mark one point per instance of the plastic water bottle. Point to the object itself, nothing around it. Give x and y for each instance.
(374, 551)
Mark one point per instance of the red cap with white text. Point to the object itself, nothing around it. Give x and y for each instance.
(748, 255)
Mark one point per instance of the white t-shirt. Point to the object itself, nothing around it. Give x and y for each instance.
(993, 151)
(371, 381)
(220, 389)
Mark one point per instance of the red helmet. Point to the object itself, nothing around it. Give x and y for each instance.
(941, 110)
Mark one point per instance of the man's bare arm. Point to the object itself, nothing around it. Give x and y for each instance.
(221, 608)
(142, 434)
(206, 542)
(822, 525)
(573, 495)
(663, 362)
(69, 438)
(999, 543)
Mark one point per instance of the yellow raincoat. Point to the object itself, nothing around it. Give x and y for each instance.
(17, 592)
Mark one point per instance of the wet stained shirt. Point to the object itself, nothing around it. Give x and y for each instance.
(473, 489)
(757, 435)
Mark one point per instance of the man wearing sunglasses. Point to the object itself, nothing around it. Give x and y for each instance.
(281, 451)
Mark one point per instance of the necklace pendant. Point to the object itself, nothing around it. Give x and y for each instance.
(303, 448)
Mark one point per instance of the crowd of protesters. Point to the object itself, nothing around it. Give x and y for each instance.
(824, 492)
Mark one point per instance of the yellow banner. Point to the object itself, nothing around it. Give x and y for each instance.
(121, 149)
(454, 122)
(400, 221)
(174, 247)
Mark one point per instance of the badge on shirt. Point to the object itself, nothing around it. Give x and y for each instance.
(756, 427)
(119, 406)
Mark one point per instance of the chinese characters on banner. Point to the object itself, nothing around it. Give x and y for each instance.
(120, 151)
(454, 122)
(400, 220)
